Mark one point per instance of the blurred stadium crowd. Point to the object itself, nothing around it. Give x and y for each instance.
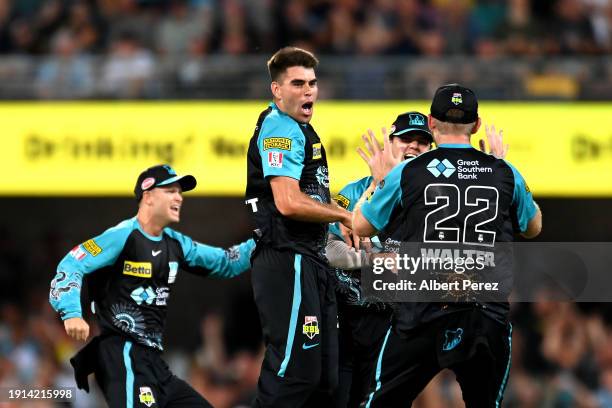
(180, 48)
(561, 358)
(380, 27)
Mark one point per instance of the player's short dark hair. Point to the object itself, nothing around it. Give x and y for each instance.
(288, 57)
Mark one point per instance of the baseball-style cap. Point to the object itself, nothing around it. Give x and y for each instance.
(461, 100)
(409, 123)
(161, 175)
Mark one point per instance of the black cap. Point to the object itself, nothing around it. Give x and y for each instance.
(461, 100)
(161, 175)
(411, 123)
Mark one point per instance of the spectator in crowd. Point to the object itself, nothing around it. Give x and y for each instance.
(66, 74)
(177, 31)
(128, 70)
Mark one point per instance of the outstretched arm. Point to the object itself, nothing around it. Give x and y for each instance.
(217, 262)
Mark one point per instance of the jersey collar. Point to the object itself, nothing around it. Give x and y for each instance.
(456, 145)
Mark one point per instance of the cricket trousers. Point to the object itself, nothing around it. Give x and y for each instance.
(296, 301)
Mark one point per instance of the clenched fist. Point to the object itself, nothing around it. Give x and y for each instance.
(77, 328)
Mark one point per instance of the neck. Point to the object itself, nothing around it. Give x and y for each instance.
(149, 224)
(452, 139)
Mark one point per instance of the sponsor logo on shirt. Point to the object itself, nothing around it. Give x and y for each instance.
(316, 151)
(281, 143)
(146, 295)
(78, 253)
(275, 159)
(91, 247)
(161, 295)
(342, 201)
(138, 269)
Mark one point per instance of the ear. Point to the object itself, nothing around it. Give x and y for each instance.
(430, 122)
(146, 197)
(275, 88)
(476, 126)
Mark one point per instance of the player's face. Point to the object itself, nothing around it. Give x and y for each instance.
(296, 92)
(410, 145)
(167, 201)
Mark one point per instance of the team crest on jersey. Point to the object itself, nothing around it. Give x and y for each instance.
(281, 143)
(457, 98)
(275, 159)
(342, 201)
(316, 151)
(91, 247)
(310, 327)
(146, 396)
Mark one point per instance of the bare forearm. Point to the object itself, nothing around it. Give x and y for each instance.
(304, 208)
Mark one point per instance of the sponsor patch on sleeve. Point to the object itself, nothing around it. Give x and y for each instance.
(91, 247)
(281, 143)
(342, 201)
(316, 151)
(275, 159)
(78, 253)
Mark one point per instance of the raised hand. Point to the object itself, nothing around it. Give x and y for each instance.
(379, 161)
(496, 142)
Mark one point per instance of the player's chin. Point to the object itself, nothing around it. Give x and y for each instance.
(305, 114)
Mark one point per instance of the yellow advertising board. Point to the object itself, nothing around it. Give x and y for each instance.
(99, 148)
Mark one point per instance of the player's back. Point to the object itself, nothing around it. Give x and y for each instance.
(454, 202)
(457, 194)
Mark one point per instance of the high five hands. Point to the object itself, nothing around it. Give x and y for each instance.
(379, 161)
